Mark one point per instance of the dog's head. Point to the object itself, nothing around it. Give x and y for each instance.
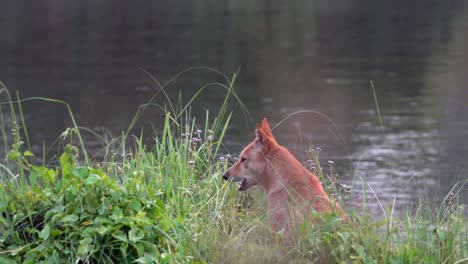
(250, 167)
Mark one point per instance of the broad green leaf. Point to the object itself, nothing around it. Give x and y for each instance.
(160, 208)
(70, 219)
(13, 155)
(10, 261)
(102, 230)
(123, 248)
(140, 249)
(64, 159)
(136, 205)
(145, 259)
(164, 258)
(51, 175)
(28, 153)
(120, 236)
(85, 246)
(44, 234)
(180, 219)
(47, 175)
(92, 179)
(135, 235)
(166, 223)
(81, 172)
(56, 232)
(150, 257)
(55, 211)
(66, 169)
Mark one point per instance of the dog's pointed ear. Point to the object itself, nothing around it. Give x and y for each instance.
(266, 127)
(263, 139)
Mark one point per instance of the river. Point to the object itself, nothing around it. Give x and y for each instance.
(379, 86)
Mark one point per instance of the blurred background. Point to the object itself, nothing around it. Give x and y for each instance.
(291, 56)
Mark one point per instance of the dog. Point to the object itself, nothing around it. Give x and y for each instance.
(293, 192)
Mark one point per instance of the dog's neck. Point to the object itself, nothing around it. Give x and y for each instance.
(277, 178)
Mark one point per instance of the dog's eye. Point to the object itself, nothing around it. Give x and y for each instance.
(242, 159)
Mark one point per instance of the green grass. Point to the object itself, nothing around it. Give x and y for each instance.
(167, 204)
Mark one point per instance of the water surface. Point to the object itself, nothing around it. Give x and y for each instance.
(306, 55)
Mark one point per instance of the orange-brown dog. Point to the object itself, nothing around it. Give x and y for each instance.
(293, 192)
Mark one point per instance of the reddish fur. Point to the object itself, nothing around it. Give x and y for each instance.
(291, 189)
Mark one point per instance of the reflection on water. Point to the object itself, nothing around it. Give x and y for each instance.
(306, 55)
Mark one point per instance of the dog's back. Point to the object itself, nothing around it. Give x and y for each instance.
(298, 192)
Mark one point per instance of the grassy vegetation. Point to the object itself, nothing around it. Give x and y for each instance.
(167, 204)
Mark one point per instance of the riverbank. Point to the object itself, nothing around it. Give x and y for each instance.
(168, 204)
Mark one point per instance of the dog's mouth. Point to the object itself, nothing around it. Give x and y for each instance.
(242, 185)
(245, 183)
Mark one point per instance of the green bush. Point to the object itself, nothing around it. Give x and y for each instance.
(78, 213)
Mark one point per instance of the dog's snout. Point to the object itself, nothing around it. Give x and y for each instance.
(225, 176)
